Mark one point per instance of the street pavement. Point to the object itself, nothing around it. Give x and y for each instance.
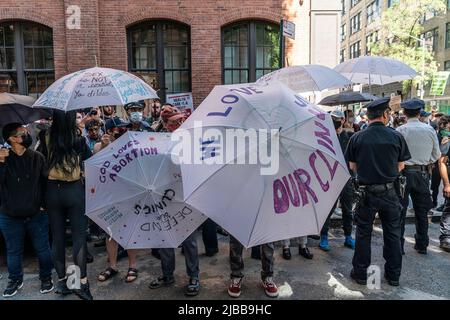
(325, 277)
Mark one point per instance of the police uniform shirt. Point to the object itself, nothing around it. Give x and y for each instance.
(377, 151)
(422, 142)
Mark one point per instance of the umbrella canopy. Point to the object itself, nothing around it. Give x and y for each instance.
(134, 192)
(94, 87)
(375, 70)
(307, 78)
(347, 97)
(17, 108)
(304, 177)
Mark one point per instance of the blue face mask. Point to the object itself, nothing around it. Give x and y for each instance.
(136, 117)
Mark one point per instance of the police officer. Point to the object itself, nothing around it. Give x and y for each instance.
(135, 116)
(424, 148)
(377, 155)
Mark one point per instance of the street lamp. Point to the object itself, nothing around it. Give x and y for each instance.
(423, 42)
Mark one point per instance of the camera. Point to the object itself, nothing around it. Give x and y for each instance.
(93, 113)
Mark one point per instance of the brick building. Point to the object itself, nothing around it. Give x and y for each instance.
(175, 45)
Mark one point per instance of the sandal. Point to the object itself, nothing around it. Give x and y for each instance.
(161, 281)
(193, 288)
(107, 274)
(133, 274)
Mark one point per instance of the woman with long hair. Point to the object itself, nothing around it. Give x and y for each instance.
(65, 198)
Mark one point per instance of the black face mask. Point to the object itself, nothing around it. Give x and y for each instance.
(337, 124)
(27, 141)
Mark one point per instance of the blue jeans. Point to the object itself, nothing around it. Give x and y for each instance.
(14, 231)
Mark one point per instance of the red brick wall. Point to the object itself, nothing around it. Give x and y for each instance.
(104, 23)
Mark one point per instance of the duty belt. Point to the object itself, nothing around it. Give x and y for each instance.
(378, 188)
(416, 167)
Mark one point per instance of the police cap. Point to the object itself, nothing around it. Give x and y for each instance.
(378, 104)
(413, 104)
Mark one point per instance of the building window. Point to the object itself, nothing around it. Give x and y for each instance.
(342, 56)
(431, 39)
(355, 23)
(355, 50)
(447, 65)
(371, 39)
(26, 58)
(373, 12)
(354, 3)
(249, 51)
(343, 31)
(159, 51)
(447, 35)
(393, 2)
(344, 9)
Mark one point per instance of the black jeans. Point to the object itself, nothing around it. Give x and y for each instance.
(66, 200)
(346, 198)
(435, 183)
(388, 206)
(209, 235)
(417, 186)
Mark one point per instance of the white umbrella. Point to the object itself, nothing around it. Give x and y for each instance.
(294, 198)
(307, 78)
(375, 70)
(94, 87)
(134, 192)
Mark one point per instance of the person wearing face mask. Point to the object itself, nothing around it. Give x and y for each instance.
(377, 155)
(346, 196)
(135, 116)
(22, 181)
(350, 122)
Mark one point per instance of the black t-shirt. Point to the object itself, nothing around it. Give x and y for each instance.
(377, 151)
(22, 182)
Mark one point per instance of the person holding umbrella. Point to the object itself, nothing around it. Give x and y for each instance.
(64, 198)
(346, 196)
(22, 180)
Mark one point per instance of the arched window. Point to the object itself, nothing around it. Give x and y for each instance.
(159, 51)
(249, 51)
(26, 58)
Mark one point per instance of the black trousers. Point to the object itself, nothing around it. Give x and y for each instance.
(435, 183)
(346, 198)
(209, 235)
(66, 200)
(388, 206)
(417, 186)
(445, 222)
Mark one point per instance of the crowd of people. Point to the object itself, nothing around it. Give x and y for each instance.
(42, 193)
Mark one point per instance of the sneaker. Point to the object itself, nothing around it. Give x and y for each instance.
(84, 293)
(270, 287)
(61, 287)
(193, 287)
(234, 289)
(46, 286)
(349, 242)
(161, 281)
(324, 243)
(12, 288)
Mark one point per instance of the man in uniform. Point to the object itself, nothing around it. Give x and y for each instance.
(424, 148)
(135, 116)
(377, 155)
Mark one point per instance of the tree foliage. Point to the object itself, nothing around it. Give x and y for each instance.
(400, 24)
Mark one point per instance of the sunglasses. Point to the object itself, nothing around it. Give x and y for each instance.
(20, 134)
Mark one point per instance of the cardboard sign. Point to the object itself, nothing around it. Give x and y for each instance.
(182, 101)
(394, 104)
